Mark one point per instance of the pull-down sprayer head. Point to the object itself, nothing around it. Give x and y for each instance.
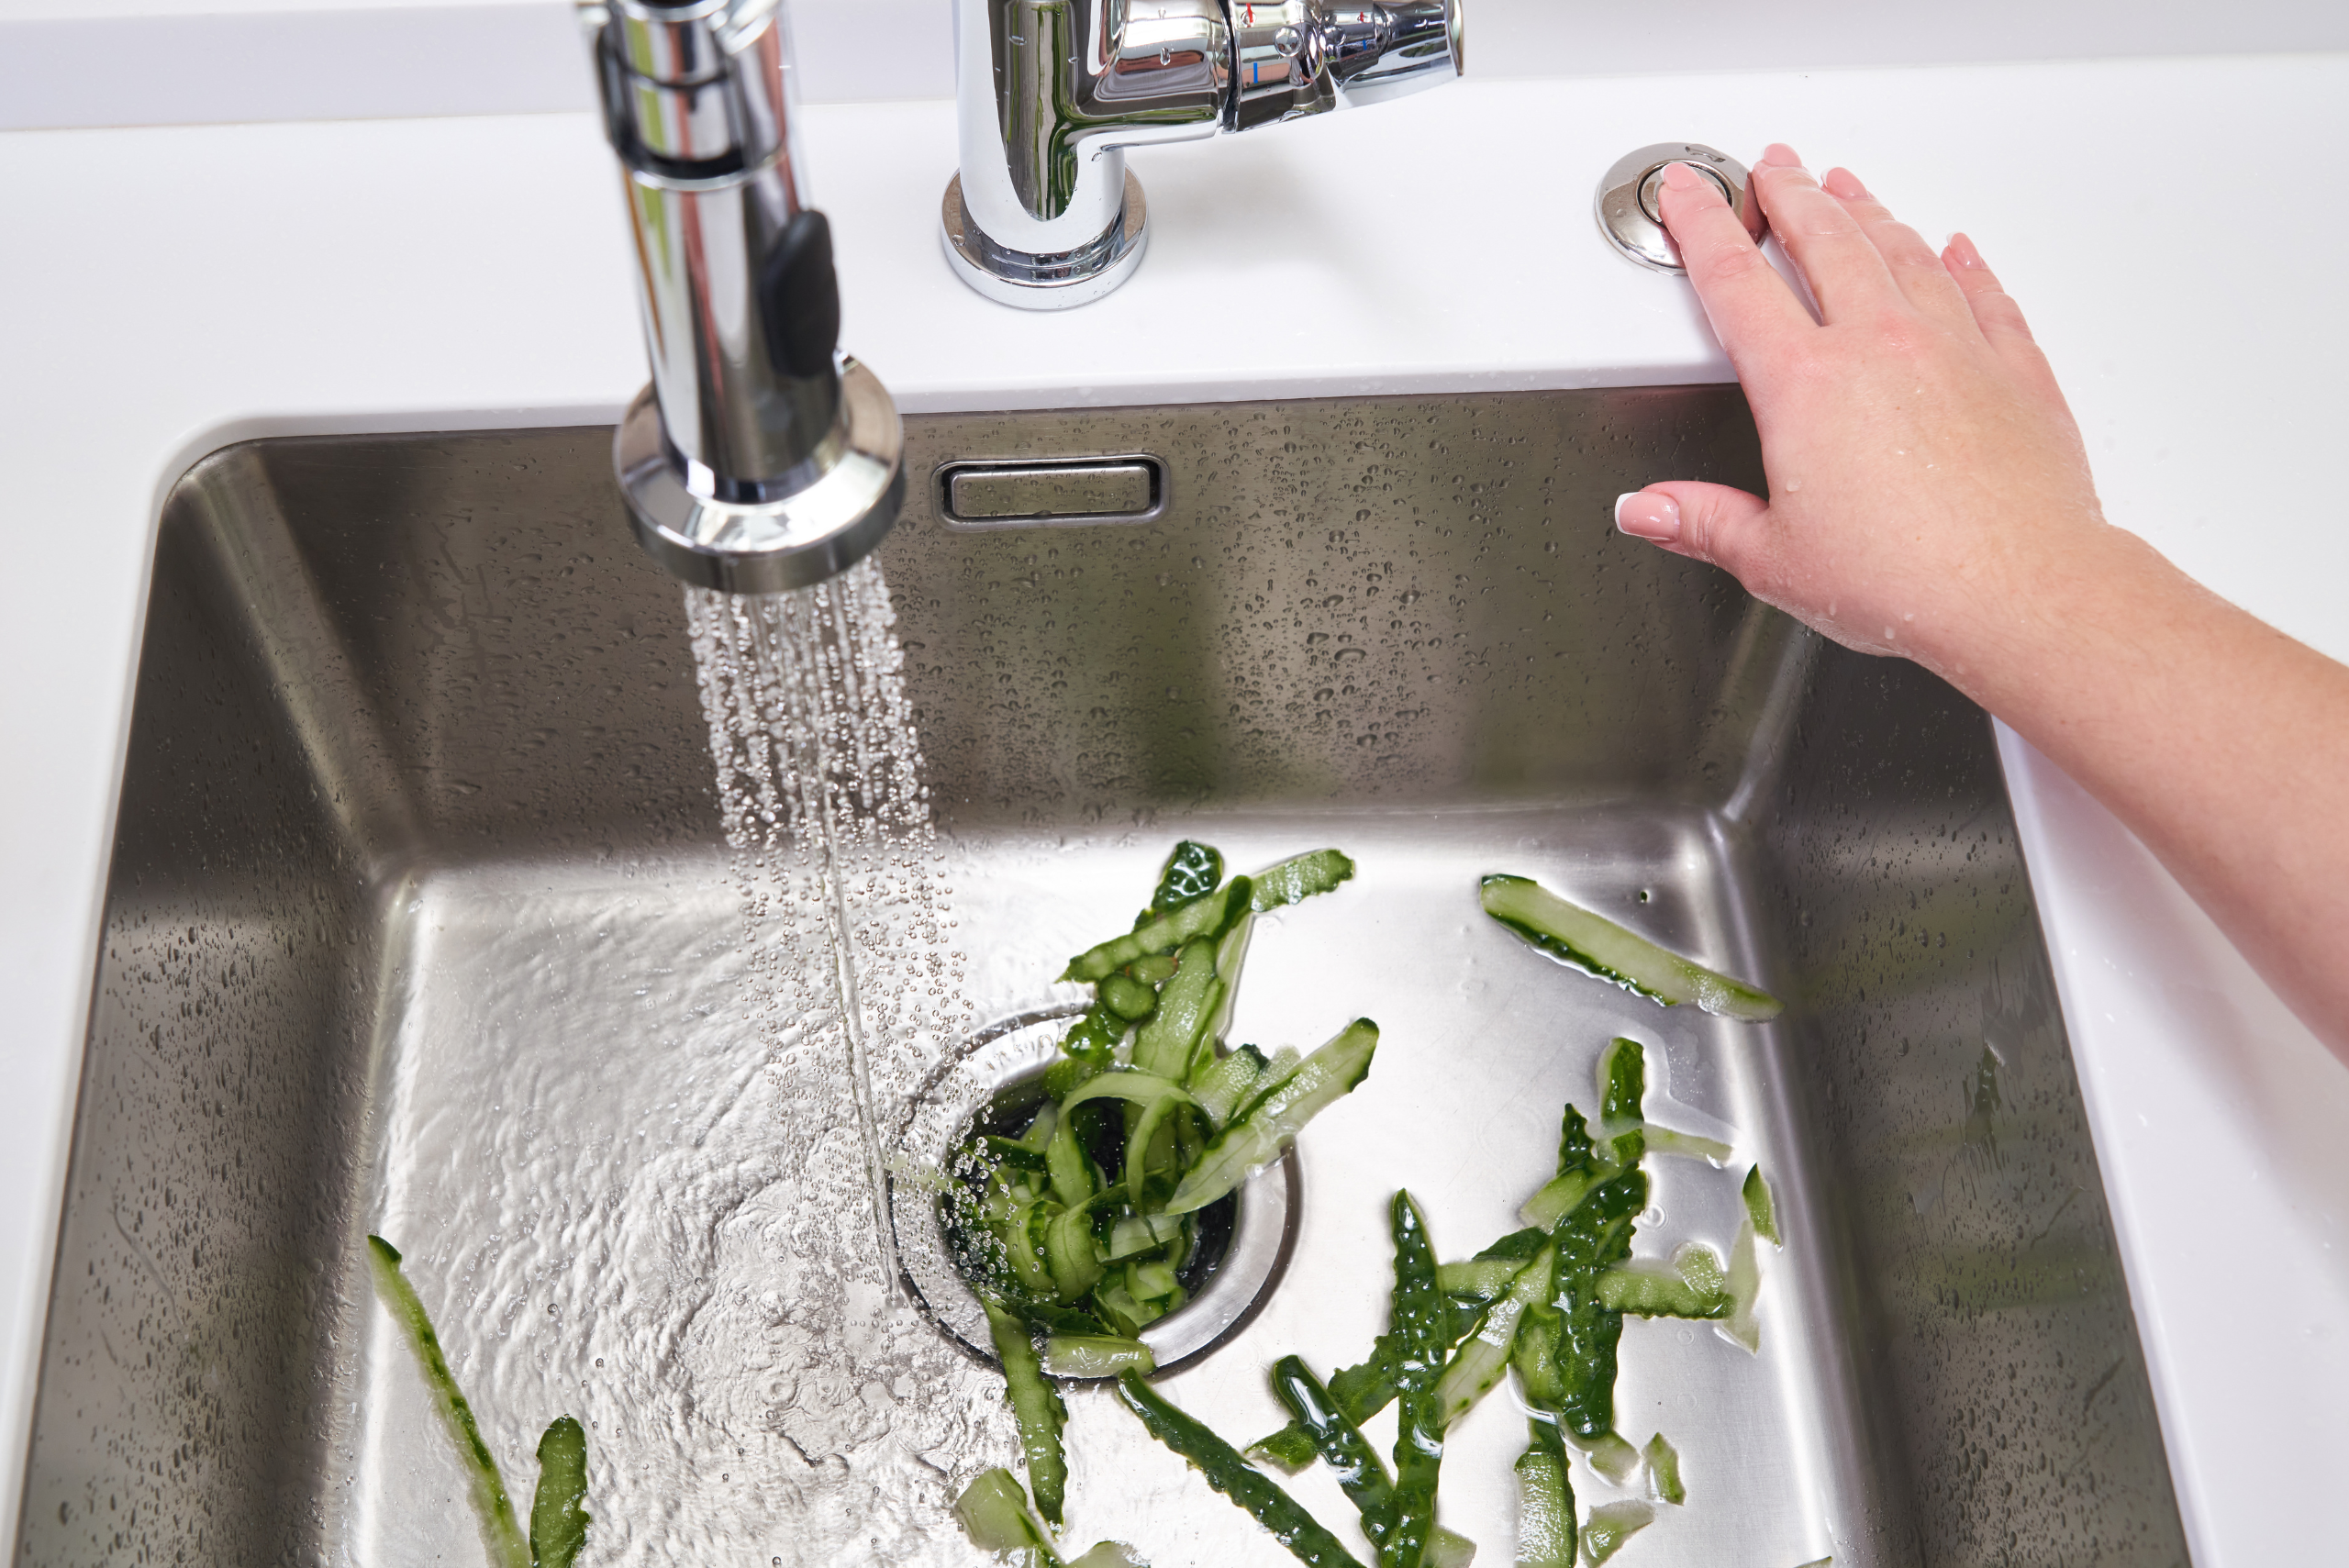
(759, 458)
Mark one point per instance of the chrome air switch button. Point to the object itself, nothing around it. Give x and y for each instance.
(1652, 190)
(1630, 200)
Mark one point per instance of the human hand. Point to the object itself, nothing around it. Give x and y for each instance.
(1922, 463)
(1928, 496)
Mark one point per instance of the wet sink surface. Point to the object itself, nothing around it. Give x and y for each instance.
(419, 920)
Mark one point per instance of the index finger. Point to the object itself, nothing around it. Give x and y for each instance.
(1750, 307)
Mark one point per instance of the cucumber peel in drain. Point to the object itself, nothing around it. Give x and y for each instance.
(1085, 1228)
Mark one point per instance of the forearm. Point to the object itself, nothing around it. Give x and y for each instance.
(2220, 742)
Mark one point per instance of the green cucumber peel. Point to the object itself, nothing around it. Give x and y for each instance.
(1339, 1444)
(1664, 1471)
(1597, 1235)
(1686, 1145)
(1479, 1279)
(1579, 1169)
(1482, 1356)
(1124, 1314)
(1420, 1321)
(1609, 1454)
(1137, 1087)
(1270, 1120)
(1740, 1326)
(1364, 1389)
(1491, 1271)
(1126, 997)
(1250, 1488)
(1419, 1460)
(1223, 1085)
(1610, 1525)
(1095, 1037)
(1152, 1279)
(1559, 1196)
(1760, 1207)
(1164, 1044)
(1230, 957)
(1035, 1405)
(1140, 1233)
(1447, 1548)
(1419, 1316)
(1622, 1084)
(1155, 970)
(996, 1515)
(500, 1533)
(1287, 1451)
(558, 1523)
(1108, 1554)
(1069, 1253)
(1299, 877)
(1096, 1355)
(1545, 1502)
(1023, 1237)
(1070, 1168)
(1192, 870)
(1138, 1143)
(1207, 917)
(1011, 1153)
(1600, 948)
(1361, 1391)
(1694, 1285)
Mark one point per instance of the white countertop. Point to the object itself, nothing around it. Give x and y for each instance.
(173, 289)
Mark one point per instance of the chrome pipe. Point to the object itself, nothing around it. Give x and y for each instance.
(1042, 213)
(760, 457)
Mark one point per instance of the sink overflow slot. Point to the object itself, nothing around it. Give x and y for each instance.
(975, 493)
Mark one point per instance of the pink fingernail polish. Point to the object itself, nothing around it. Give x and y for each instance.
(1680, 177)
(1643, 514)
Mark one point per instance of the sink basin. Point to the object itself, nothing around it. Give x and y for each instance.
(419, 921)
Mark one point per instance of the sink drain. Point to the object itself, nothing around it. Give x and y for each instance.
(991, 1083)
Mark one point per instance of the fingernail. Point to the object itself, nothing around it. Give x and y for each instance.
(1643, 514)
(1680, 177)
(1962, 249)
(1780, 155)
(1845, 183)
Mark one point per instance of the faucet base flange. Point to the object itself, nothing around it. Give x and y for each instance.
(1044, 282)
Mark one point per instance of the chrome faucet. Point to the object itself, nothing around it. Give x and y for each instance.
(1050, 93)
(759, 458)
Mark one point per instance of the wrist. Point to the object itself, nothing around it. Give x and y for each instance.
(2044, 622)
(2077, 633)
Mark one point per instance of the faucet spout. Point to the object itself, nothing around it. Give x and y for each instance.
(760, 457)
(1042, 213)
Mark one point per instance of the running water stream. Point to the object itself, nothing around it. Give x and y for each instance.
(819, 786)
(853, 976)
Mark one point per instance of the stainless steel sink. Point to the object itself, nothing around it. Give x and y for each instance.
(419, 920)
